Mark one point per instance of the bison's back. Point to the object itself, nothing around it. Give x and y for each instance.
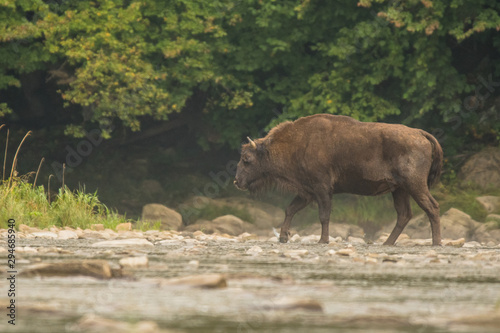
(357, 157)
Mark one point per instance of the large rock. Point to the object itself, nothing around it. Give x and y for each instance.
(489, 231)
(490, 203)
(457, 224)
(263, 215)
(482, 169)
(227, 224)
(169, 218)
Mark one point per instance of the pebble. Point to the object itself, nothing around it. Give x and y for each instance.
(44, 234)
(134, 262)
(295, 238)
(95, 323)
(472, 244)
(67, 234)
(297, 304)
(193, 265)
(311, 239)
(205, 281)
(92, 234)
(346, 252)
(254, 250)
(94, 268)
(26, 249)
(455, 243)
(123, 242)
(414, 242)
(330, 252)
(355, 240)
(295, 253)
(246, 236)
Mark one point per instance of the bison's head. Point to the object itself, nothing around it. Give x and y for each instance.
(251, 170)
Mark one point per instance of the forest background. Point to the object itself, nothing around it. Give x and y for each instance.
(148, 101)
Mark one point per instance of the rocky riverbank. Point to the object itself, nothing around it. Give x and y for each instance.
(171, 281)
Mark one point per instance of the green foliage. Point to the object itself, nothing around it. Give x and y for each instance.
(249, 64)
(30, 206)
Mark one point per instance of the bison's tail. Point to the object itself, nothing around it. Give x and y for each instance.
(437, 160)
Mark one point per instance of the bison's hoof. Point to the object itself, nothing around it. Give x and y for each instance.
(283, 239)
(323, 241)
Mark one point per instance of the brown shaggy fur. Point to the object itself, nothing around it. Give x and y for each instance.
(317, 156)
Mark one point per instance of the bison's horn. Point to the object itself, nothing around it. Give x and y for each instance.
(252, 143)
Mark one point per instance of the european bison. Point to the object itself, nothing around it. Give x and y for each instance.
(317, 156)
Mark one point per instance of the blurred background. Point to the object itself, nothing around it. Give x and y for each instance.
(149, 101)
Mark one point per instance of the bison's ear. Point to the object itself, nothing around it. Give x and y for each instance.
(252, 143)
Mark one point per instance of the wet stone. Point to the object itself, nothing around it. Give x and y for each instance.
(67, 234)
(92, 234)
(472, 244)
(205, 281)
(295, 253)
(134, 262)
(254, 250)
(355, 240)
(455, 243)
(94, 268)
(346, 252)
(123, 242)
(297, 304)
(44, 234)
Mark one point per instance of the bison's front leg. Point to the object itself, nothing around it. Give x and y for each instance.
(325, 207)
(296, 205)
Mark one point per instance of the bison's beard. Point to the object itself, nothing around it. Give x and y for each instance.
(260, 185)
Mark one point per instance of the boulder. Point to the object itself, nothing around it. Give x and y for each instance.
(490, 203)
(457, 224)
(227, 224)
(263, 215)
(169, 218)
(488, 231)
(482, 169)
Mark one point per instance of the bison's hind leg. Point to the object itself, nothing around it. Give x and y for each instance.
(402, 204)
(431, 207)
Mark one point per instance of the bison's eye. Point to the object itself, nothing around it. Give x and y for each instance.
(246, 160)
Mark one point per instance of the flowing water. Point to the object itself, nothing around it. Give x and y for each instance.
(271, 288)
